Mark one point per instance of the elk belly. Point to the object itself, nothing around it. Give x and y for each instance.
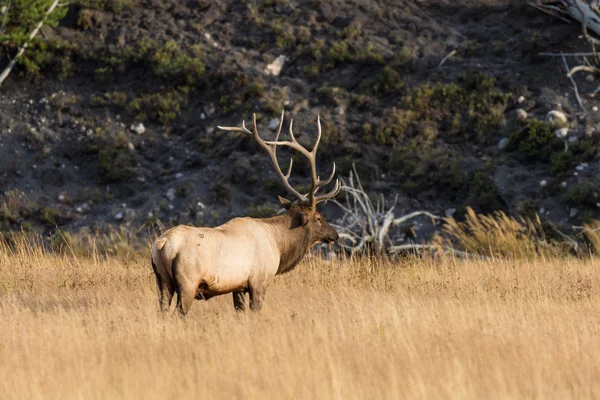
(213, 286)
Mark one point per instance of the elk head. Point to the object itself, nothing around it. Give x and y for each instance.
(304, 209)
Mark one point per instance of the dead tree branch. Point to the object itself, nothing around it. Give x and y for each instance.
(570, 76)
(587, 12)
(366, 224)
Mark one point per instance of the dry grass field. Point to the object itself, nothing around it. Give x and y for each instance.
(77, 327)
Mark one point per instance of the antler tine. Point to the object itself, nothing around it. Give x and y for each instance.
(271, 150)
(326, 181)
(292, 131)
(242, 128)
(287, 176)
(280, 126)
(314, 150)
(330, 195)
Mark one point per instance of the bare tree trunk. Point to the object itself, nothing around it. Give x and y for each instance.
(33, 33)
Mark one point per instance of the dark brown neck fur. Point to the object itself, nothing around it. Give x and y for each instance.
(293, 240)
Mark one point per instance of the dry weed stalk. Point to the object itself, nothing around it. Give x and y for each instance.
(591, 233)
(495, 235)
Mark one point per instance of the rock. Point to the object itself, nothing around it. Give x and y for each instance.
(273, 124)
(119, 216)
(542, 211)
(503, 143)
(543, 183)
(595, 108)
(202, 116)
(340, 110)
(590, 78)
(573, 139)
(130, 146)
(561, 133)
(581, 166)
(521, 99)
(171, 194)
(450, 212)
(556, 116)
(3, 10)
(138, 128)
(275, 67)
(178, 175)
(201, 205)
(573, 212)
(209, 111)
(521, 114)
(563, 184)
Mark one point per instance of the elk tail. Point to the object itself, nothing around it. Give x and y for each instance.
(160, 256)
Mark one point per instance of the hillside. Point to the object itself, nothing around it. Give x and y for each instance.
(442, 137)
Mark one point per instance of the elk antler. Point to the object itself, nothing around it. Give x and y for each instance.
(271, 148)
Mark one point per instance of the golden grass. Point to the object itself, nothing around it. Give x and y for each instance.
(496, 235)
(89, 328)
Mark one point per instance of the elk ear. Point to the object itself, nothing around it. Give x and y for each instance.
(285, 202)
(305, 219)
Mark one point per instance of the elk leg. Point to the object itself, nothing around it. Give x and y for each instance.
(257, 295)
(239, 302)
(166, 295)
(165, 289)
(185, 297)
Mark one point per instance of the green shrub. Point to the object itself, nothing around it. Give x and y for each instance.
(23, 15)
(169, 62)
(472, 109)
(114, 160)
(162, 107)
(561, 162)
(388, 81)
(583, 194)
(18, 22)
(536, 141)
(483, 193)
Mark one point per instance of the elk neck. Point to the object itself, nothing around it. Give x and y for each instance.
(292, 242)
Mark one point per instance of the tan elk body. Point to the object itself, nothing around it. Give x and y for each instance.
(244, 254)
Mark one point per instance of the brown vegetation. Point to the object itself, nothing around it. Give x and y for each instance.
(89, 327)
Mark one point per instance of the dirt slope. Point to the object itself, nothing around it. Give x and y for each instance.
(371, 70)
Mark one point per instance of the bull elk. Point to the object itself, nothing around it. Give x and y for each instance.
(244, 255)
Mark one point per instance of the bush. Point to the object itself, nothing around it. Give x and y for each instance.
(472, 109)
(536, 141)
(583, 194)
(171, 63)
(23, 15)
(21, 18)
(114, 160)
(162, 107)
